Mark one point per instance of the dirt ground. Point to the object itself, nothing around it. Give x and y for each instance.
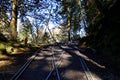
(10, 63)
(109, 73)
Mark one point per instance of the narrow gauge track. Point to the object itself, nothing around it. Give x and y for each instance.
(22, 69)
(85, 67)
(54, 73)
(83, 64)
(54, 64)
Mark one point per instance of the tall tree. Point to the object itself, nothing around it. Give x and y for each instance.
(13, 22)
(71, 9)
(4, 20)
(65, 11)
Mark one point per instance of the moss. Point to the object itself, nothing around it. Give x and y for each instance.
(9, 49)
(2, 46)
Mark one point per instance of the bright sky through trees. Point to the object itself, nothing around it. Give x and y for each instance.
(46, 15)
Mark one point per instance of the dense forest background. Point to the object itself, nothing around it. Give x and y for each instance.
(103, 29)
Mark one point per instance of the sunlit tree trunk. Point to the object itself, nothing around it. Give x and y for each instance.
(37, 36)
(13, 23)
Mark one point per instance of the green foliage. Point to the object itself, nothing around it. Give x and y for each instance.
(4, 23)
(63, 33)
(71, 8)
(103, 28)
(46, 38)
(25, 33)
(2, 46)
(3, 38)
(5, 48)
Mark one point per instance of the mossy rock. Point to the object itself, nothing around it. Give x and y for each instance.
(9, 49)
(2, 48)
(5, 48)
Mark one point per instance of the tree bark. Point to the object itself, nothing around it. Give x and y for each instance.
(13, 23)
(69, 28)
(25, 41)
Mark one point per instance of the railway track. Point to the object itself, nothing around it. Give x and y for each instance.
(84, 65)
(56, 61)
(22, 69)
(53, 71)
(86, 69)
(54, 67)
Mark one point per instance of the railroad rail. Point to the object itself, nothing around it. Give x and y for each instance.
(84, 65)
(22, 69)
(54, 68)
(85, 68)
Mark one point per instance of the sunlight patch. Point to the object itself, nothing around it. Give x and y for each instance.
(93, 76)
(5, 63)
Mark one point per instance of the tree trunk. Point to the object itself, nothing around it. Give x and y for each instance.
(13, 23)
(25, 41)
(102, 9)
(69, 28)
